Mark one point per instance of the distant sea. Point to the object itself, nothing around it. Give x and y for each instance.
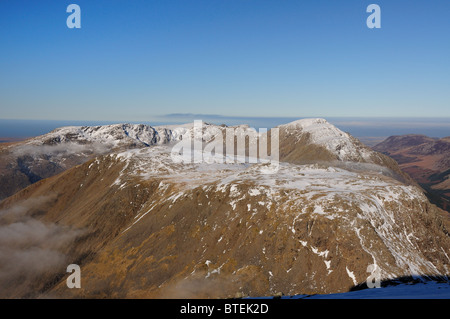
(358, 127)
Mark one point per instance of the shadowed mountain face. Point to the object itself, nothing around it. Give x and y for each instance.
(425, 159)
(143, 225)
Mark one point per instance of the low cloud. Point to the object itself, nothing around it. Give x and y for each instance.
(30, 248)
(199, 287)
(19, 210)
(64, 149)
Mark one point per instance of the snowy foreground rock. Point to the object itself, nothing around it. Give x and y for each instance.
(429, 290)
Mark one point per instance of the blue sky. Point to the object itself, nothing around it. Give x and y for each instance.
(137, 60)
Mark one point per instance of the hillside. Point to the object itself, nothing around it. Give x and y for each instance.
(426, 160)
(143, 225)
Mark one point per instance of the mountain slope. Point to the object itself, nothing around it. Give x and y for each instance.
(24, 163)
(425, 159)
(27, 162)
(148, 227)
(303, 141)
(316, 140)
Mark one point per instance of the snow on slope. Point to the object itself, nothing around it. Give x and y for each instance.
(425, 290)
(321, 132)
(343, 146)
(356, 199)
(308, 228)
(113, 135)
(133, 134)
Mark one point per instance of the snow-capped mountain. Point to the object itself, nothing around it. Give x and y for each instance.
(27, 162)
(312, 140)
(320, 132)
(130, 135)
(141, 224)
(317, 140)
(112, 135)
(24, 163)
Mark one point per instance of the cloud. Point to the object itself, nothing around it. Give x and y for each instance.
(30, 248)
(63, 149)
(19, 210)
(198, 287)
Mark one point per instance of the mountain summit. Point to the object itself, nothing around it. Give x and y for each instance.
(316, 140)
(143, 226)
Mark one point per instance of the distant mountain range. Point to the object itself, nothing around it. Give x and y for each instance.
(140, 224)
(425, 159)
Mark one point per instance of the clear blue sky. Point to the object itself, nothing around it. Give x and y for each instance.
(133, 60)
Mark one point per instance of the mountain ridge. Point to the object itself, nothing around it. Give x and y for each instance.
(144, 226)
(40, 157)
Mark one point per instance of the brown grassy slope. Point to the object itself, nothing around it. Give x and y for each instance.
(300, 151)
(426, 160)
(198, 246)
